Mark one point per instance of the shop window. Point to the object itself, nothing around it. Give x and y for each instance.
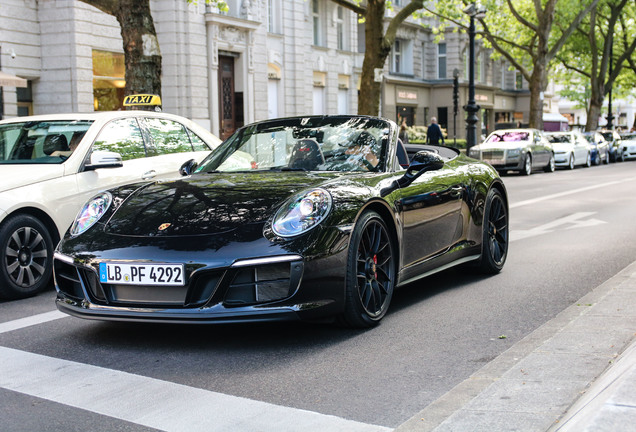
(25, 100)
(108, 80)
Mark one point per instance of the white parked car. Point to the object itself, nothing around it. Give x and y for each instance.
(628, 146)
(520, 150)
(51, 164)
(570, 149)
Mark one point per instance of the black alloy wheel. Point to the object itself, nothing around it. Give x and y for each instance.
(370, 278)
(494, 249)
(26, 257)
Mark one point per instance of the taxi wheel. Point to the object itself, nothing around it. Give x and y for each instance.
(26, 257)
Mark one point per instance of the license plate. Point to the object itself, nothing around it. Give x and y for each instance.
(141, 274)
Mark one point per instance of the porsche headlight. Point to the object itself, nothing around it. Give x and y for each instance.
(92, 211)
(302, 213)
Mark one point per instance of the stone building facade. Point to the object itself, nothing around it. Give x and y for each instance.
(261, 59)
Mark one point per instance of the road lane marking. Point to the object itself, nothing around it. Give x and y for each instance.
(576, 220)
(155, 403)
(31, 321)
(570, 192)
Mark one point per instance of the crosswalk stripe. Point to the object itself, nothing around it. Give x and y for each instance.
(30, 321)
(155, 403)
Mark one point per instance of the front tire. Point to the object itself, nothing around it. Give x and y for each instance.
(494, 247)
(571, 162)
(26, 257)
(527, 165)
(370, 278)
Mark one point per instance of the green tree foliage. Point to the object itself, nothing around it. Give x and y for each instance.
(529, 34)
(379, 39)
(598, 53)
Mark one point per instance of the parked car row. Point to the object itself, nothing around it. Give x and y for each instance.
(526, 150)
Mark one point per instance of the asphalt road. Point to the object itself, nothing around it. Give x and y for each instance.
(570, 231)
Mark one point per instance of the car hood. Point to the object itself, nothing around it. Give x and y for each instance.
(207, 204)
(18, 175)
(562, 147)
(503, 145)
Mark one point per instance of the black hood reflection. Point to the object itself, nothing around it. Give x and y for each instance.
(207, 204)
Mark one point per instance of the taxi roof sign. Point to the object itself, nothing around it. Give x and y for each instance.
(142, 100)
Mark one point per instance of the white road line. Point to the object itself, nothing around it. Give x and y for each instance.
(155, 403)
(570, 192)
(31, 321)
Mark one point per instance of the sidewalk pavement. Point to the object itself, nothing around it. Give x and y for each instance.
(575, 373)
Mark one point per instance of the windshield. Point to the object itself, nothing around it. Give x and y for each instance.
(335, 143)
(43, 142)
(508, 136)
(561, 138)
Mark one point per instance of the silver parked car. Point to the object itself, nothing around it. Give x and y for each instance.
(521, 150)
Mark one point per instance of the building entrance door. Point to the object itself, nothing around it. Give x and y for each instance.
(227, 106)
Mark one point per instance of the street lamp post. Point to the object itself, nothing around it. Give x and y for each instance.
(455, 103)
(473, 10)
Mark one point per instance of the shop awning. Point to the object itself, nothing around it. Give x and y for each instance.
(8, 80)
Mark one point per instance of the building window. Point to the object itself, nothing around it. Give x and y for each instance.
(441, 60)
(317, 23)
(108, 80)
(396, 56)
(361, 33)
(479, 68)
(341, 29)
(518, 80)
(274, 11)
(273, 90)
(320, 81)
(343, 94)
(503, 76)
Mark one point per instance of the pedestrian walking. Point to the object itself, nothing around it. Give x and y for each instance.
(434, 133)
(404, 135)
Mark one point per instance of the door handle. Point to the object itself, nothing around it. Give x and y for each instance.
(456, 191)
(148, 175)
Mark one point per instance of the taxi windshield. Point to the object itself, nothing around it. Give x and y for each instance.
(40, 142)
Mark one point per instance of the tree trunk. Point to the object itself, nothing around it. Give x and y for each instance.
(142, 54)
(593, 113)
(537, 87)
(375, 57)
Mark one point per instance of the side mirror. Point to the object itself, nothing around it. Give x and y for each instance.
(423, 161)
(188, 167)
(104, 159)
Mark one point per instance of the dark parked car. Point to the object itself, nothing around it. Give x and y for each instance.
(297, 218)
(600, 147)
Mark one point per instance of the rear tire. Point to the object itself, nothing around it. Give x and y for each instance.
(26, 257)
(551, 166)
(494, 246)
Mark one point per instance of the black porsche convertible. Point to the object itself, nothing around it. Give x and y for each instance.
(310, 218)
